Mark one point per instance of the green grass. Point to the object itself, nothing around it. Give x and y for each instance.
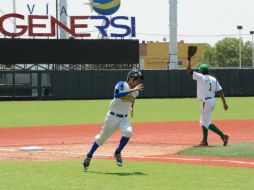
(236, 150)
(105, 175)
(40, 113)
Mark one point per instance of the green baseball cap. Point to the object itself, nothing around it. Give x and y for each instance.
(203, 68)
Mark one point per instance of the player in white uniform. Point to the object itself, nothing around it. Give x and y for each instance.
(117, 117)
(207, 86)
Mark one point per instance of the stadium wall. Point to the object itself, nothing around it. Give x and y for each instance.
(61, 85)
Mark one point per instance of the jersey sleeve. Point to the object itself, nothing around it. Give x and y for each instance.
(196, 76)
(217, 86)
(119, 90)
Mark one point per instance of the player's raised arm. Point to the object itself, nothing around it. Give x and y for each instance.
(191, 52)
(120, 93)
(189, 69)
(137, 88)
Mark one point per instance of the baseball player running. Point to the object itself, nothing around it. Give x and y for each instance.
(207, 86)
(117, 118)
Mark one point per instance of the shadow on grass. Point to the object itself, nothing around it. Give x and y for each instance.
(209, 146)
(119, 173)
(212, 146)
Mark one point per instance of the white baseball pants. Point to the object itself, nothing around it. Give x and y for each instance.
(206, 108)
(111, 124)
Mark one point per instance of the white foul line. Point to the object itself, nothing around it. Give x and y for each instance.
(142, 157)
(195, 159)
(8, 150)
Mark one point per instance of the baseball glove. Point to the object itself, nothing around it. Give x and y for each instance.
(191, 51)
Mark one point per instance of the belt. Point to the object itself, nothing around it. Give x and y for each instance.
(208, 98)
(118, 115)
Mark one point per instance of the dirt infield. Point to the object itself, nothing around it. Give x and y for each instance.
(150, 142)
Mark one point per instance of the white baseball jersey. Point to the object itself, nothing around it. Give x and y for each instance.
(207, 85)
(119, 105)
(122, 104)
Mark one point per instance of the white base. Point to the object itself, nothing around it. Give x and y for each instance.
(31, 148)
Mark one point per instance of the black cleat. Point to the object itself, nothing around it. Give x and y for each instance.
(86, 163)
(119, 160)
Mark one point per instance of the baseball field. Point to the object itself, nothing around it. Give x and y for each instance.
(162, 154)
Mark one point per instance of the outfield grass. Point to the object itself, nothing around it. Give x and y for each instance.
(105, 175)
(236, 150)
(40, 113)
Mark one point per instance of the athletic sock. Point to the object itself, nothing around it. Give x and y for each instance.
(93, 149)
(123, 142)
(213, 128)
(205, 133)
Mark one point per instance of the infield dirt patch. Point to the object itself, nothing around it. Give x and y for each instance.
(151, 142)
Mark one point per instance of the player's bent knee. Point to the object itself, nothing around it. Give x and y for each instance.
(127, 133)
(100, 141)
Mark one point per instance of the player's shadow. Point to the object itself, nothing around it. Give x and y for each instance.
(120, 173)
(209, 146)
